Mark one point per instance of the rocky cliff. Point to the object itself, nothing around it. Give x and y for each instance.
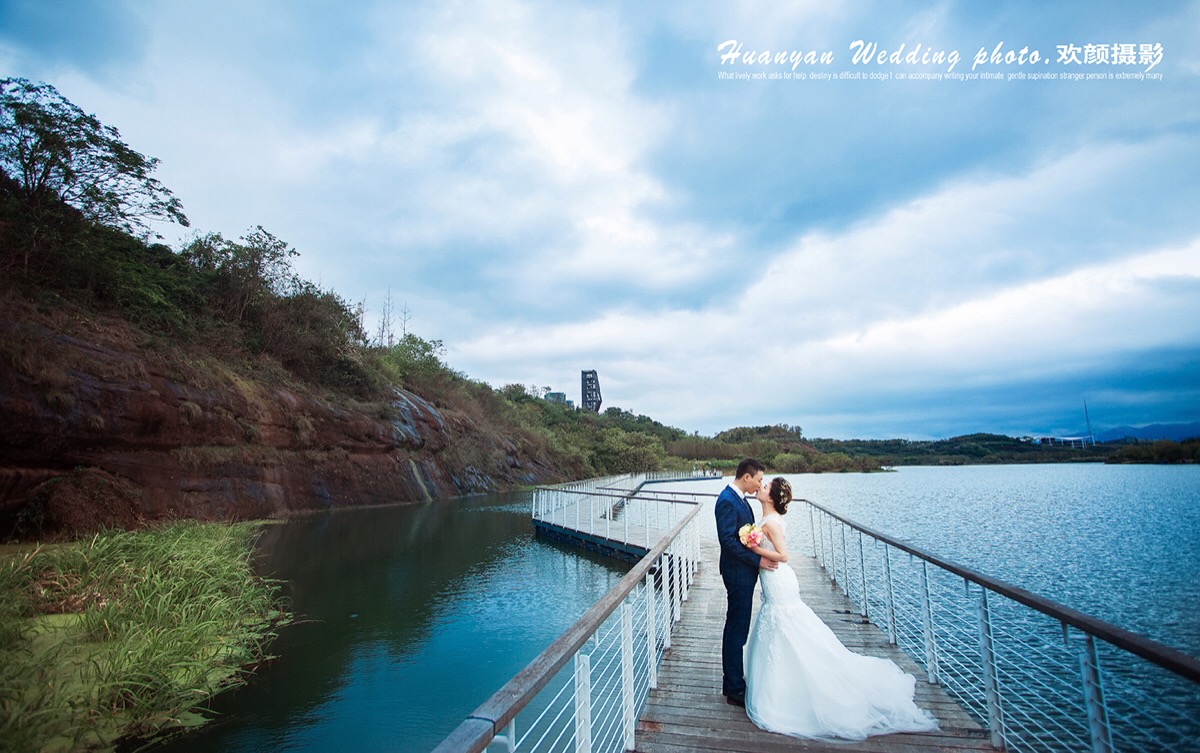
(104, 426)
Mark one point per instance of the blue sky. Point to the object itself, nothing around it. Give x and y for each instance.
(553, 187)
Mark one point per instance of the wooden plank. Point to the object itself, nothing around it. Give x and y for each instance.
(688, 713)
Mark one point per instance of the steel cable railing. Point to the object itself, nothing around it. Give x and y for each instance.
(585, 692)
(626, 521)
(1038, 675)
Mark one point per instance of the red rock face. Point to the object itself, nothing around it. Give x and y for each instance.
(98, 435)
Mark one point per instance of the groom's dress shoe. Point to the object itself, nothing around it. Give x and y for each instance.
(736, 699)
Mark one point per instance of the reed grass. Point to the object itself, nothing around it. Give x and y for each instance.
(129, 634)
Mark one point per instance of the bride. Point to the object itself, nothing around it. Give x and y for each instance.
(801, 680)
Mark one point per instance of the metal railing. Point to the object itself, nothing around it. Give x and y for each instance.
(696, 474)
(585, 692)
(615, 507)
(1040, 676)
(638, 520)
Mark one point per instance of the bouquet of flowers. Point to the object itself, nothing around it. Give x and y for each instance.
(750, 535)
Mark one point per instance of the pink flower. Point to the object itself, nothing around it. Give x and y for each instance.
(750, 535)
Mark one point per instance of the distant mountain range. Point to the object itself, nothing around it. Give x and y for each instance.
(1177, 432)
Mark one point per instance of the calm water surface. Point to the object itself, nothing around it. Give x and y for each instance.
(412, 616)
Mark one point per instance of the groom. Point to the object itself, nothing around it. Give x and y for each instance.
(739, 571)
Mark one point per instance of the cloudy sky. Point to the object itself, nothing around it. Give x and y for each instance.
(922, 246)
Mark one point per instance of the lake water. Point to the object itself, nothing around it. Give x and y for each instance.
(411, 616)
(1118, 542)
(414, 615)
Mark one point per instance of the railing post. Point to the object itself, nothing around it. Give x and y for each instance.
(845, 563)
(676, 592)
(891, 604)
(668, 618)
(931, 661)
(685, 552)
(689, 564)
(812, 528)
(832, 557)
(583, 704)
(646, 523)
(1093, 697)
(627, 673)
(509, 738)
(651, 632)
(821, 539)
(693, 551)
(987, 657)
(862, 568)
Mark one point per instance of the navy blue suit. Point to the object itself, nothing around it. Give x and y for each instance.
(739, 571)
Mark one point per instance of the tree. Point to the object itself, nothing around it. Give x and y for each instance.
(516, 392)
(628, 452)
(386, 336)
(53, 154)
(317, 336)
(244, 275)
(405, 315)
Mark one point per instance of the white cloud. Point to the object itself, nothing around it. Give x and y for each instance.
(977, 233)
(1124, 305)
(945, 292)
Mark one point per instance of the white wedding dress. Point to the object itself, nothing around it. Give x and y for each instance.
(802, 681)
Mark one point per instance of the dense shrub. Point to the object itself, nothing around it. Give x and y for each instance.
(1162, 451)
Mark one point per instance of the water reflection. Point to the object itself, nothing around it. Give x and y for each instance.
(411, 617)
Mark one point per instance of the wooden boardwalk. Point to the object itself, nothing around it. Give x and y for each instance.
(688, 713)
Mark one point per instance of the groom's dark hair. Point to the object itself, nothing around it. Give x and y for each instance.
(751, 466)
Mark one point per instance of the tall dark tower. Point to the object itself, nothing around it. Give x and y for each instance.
(591, 391)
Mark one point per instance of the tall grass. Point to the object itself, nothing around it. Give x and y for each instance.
(128, 634)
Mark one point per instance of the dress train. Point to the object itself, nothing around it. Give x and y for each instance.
(802, 681)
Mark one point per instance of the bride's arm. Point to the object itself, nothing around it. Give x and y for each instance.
(778, 540)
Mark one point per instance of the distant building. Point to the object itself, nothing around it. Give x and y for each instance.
(556, 397)
(1065, 441)
(591, 391)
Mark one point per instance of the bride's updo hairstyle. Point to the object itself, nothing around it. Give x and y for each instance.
(780, 493)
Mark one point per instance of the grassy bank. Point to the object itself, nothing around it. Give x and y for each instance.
(127, 633)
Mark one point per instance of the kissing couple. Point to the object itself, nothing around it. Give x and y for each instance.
(791, 672)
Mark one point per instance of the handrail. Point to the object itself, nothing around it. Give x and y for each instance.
(992, 646)
(1164, 656)
(490, 719)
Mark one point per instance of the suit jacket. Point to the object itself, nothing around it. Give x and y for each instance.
(739, 565)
